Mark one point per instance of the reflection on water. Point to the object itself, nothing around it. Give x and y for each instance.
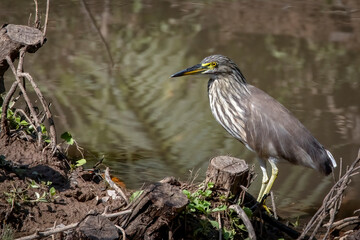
(116, 97)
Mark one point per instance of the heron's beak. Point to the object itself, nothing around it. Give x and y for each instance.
(191, 71)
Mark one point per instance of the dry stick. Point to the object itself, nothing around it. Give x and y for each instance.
(331, 202)
(273, 204)
(122, 231)
(36, 13)
(245, 220)
(26, 97)
(352, 220)
(46, 16)
(5, 106)
(52, 130)
(25, 115)
(68, 227)
(114, 186)
(220, 226)
(20, 73)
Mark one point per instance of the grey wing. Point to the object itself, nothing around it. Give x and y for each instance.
(274, 132)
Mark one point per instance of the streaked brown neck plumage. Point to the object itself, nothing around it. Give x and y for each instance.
(226, 93)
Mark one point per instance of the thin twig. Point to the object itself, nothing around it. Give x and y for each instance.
(331, 202)
(25, 115)
(26, 97)
(68, 227)
(122, 231)
(220, 226)
(114, 186)
(46, 16)
(273, 204)
(111, 215)
(5, 106)
(36, 21)
(355, 219)
(44, 104)
(240, 212)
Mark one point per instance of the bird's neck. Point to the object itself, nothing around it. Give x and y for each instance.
(229, 84)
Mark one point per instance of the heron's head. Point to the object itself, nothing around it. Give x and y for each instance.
(212, 65)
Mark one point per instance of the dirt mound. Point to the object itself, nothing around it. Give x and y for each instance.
(39, 190)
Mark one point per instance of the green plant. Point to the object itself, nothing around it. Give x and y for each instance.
(17, 122)
(17, 196)
(69, 140)
(77, 164)
(135, 195)
(199, 200)
(7, 232)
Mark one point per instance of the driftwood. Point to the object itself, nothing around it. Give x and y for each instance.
(15, 41)
(12, 39)
(154, 211)
(228, 175)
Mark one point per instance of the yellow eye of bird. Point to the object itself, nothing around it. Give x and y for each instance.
(213, 64)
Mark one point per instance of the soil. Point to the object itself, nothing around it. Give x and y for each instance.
(77, 191)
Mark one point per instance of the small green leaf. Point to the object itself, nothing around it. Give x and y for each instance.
(187, 193)
(135, 195)
(68, 138)
(215, 224)
(80, 162)
(210, 185)
(220, 208)
(33, 184)
(248, 211)
(228, 234)
(207, 193)
(52, 191)
(43, 129)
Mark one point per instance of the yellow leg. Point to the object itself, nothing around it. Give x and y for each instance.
(274, 173)
(265, 180)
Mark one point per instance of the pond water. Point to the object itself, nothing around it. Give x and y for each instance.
(106, 68)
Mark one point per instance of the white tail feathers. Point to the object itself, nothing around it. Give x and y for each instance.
(333, 162)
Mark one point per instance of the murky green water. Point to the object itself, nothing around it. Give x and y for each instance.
(116, 98)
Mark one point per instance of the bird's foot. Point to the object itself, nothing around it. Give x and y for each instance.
(262, 203)
(268, 210)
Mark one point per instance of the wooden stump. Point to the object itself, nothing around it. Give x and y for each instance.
(154, 211)
(228, 174)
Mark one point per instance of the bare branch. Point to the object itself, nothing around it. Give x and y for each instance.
(331, 203)
(46, 16)
(44, 104)
(122, 231)
(240, 212)
(5, 106)
(114, 186)
(36, 21)
(26, 97)
(68, 227)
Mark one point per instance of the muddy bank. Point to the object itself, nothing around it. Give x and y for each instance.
(42, 193)
(27, 175)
